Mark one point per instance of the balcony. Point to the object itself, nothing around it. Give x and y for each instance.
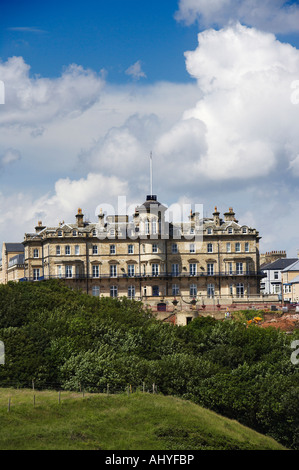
(160, 275)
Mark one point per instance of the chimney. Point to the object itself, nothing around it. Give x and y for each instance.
(39, 226)
(230, 215)
(101, 218)
(216, 217)
(79, 218)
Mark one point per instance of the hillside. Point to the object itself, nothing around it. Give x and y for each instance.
(61, 339)
(118, 422)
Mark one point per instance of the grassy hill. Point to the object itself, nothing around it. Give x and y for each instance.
(118, 422)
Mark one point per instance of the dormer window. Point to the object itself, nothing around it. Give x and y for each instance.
(244, 230)
(209, 231)
(74, 233)
(59, 233)
(230, 230)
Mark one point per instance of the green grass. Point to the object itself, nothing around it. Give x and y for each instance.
(117, 422)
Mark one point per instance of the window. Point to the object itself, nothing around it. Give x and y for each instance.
(67, 250)
(210, 267)
(113, 291)
(113, 270)
(238, 247)
(68, 271)
(246, 247)
(192, 248)
(231, 289)
(210, 290)
(35, 253)
(155, 269)
(175, 269)
(155, 291)
(193, 290)
(154, 227)
(230, 230)
(131, 292)
(95, 249)
(230, 268)
(74, 233)
(130, 249)
(192, 269)
(77, 250)
(175, 289)
(239, 268)
(95, 291)
(95, 271)
(276, 274)
(112, 250)
(210, 248)
(174, 248)
(131, 270)
(94, 232)
(209, 231)
(155, 248)
(59, 233)
(244, 230)
(59, 271)
(147, 227)
(240, 290)
(57, 250)
(35, 274)
(228, 248)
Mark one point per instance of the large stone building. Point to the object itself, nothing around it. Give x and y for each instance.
(206, 261)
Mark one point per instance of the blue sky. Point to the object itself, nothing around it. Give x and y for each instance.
(97, 34)
(91, 88)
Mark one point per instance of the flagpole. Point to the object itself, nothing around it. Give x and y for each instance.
(151, 173)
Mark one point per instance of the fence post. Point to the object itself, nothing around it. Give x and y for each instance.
(153, 388)
(143, 387)
(59, 397)
(33, 385)
(128, 390)
(8, 408)
(107, 389)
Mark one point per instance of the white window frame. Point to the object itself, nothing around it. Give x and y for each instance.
(113, 270)
(113, 291)
(95, 271)
(192, 269)
(131, 270)
(112, 250)
(67, 250)
(35, 253)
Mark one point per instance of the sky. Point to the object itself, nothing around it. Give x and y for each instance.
(89, 89)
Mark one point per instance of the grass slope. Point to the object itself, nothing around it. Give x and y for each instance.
(118, 422)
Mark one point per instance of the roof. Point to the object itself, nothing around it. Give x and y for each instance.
(279, 265)
(292, 267)
(14, 247)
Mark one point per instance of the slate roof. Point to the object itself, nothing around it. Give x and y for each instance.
(279, 265)
(14, 247)
(293, 267)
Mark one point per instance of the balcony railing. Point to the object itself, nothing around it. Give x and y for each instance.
(160, 275)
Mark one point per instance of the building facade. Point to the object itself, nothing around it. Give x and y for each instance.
(12, 262)
(272, 282)
(204, 261)
(290, 282)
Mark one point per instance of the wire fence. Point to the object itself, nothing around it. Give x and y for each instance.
(14, 393)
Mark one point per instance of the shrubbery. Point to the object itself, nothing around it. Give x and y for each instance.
(59, 337)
